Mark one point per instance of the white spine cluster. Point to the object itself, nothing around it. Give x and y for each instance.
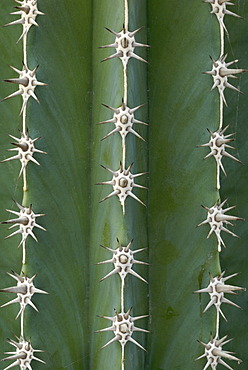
(23, 355)
(217, 218)
(25, 150)
(123, 185)
(218, 144)
(214, 353)
(28, 11)
(217, 289)
(220, 10)
(27, 82)
(123, 260)
(220, 73)
(123, 323)
(123, 117)
(25, 218)
(25, 289)
(26, 221)
(124, 45)
(123, 328)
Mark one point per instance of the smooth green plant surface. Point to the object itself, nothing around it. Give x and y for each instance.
(180, 108)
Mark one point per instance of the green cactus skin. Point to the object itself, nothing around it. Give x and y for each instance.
(180, 109)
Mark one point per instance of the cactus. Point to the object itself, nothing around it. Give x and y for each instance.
(88, 259)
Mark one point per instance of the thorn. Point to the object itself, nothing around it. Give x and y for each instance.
(116, 55)
(113, 32)
(132, 110)
(129, 168)
(213, 61)
(136, 198)
(132, 272)
(230, 276)
(137, 344)
(117, 129)
(135, 133)
(24, 9)
(108, 169)
(226, 154)
(227, 84)
(228, 12)
(139, 317)
(20, 81)
(33, 22)
(139, 250)
(16, 93)
(131, 54)
(107, 248)
(138, 44)
(141, 122)
(204, 290)
(108, 46)
(18, 21)
(115, 192)
(105, 183)
(118, 337)
(112, 120)
(206, 208)
(211, 303)
(113, 109)
(128, 246)
(131, 34)
(225, 300)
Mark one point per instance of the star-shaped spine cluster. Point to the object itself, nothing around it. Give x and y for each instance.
(23, 355)
(26, 221)
(216, 290)
(214, 353)
(27, 82)
(124, 45)
(217, 144)
(123, 184)
(220, 73)
(28, 11)
(123, 260)
(25, 290)
(220, 10)
(123, 119)
(26, 149)
(216, 218)
(123, 328)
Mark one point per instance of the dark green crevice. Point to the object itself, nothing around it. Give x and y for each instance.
(91, 187)
(233, 187)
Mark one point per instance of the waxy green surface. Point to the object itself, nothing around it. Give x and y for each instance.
(180, 108)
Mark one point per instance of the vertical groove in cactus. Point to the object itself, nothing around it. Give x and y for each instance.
(10, 255)
(181, 107)
(233, 186)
